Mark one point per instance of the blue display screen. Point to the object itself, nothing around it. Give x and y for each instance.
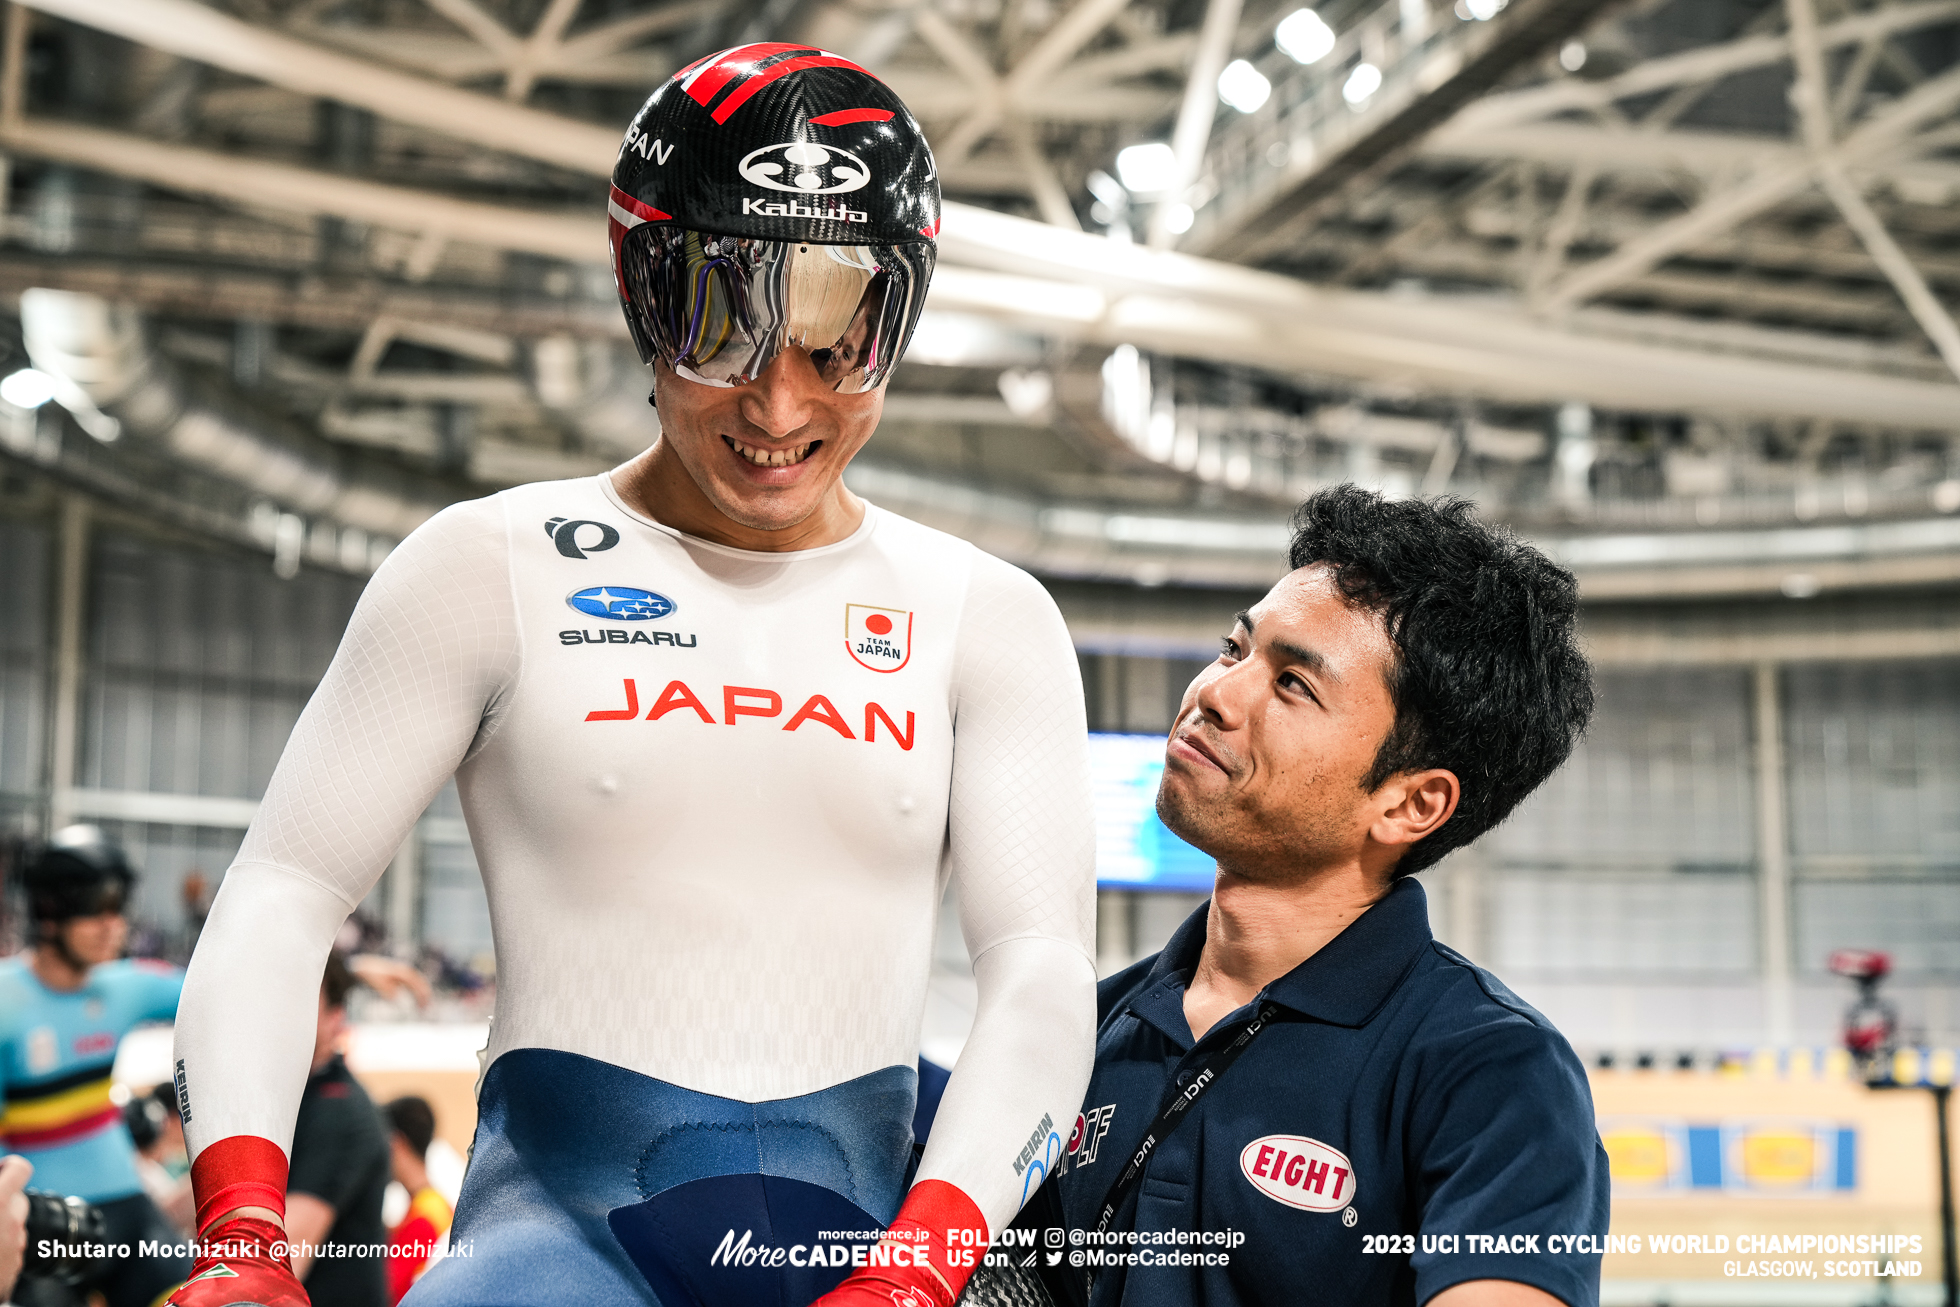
(1134, 849)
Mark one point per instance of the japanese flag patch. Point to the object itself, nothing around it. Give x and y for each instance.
(878, 638)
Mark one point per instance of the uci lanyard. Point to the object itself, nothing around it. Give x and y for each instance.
(1172, 1115)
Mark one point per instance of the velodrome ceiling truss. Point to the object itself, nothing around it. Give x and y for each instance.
(1728, 230)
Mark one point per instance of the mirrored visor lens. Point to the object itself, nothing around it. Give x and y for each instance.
(718, 309)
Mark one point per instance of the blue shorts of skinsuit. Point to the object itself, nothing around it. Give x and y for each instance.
(583, 1175)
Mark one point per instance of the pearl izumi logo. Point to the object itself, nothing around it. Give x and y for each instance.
(805, 168)
(576, 537)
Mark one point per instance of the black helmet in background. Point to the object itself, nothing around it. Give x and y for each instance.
(79, 872)
(773, 195)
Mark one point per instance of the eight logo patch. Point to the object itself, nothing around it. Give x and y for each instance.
(1299, 1172)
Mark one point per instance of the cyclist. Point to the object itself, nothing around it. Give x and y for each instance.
(722, 731)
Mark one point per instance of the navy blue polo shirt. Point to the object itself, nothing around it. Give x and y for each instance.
(1405, 1123)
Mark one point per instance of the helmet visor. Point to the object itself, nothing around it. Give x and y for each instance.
(718, 309)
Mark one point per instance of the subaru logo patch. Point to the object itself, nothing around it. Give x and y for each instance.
(620, 603)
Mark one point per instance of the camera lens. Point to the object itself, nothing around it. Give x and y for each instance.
(59, 1234)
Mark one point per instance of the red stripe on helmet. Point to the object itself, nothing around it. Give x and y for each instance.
(620, 207)
(740, 95)
(731, 65)
(932, 232)
(843, 116)
(644, 212)
(616, 236)
(682, 75)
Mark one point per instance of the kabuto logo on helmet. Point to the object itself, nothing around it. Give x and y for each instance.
(805, 168)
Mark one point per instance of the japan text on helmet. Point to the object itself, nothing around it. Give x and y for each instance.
(79, 872)
(767, 195)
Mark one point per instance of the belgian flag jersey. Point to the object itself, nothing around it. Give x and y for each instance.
(56, 1052)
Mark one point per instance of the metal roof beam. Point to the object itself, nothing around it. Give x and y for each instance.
(1194, 116)
(1882, 133)
(1429, 84)
(262, 184)
(1812, 98)
(231, 294)
(1070, 283)
(197, 32)
(1706, 64)
(1075, 29)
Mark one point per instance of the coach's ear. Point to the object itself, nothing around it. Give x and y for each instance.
(1413, 804)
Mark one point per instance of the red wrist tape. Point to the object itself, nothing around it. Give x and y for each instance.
(955, 1233)
(239, 1171)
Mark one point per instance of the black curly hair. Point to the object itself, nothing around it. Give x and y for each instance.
(414, 1120)
(1488, 680)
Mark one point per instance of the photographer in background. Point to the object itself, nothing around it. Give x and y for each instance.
(160, 1159)
(15, 1172)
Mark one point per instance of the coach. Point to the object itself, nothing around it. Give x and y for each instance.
(1361, 1115)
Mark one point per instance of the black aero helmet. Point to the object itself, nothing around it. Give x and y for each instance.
(773, 195)
(80, 872)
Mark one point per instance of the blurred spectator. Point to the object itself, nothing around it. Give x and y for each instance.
(196, 892)
(171, 1151)
(146, 940)
(339, 1169)
(454, 977)
(389, 977)
(412, 1243)
(15, 1172)
(361, 933)
(162, 1162)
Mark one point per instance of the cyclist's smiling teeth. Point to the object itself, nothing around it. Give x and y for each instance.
(773, 457)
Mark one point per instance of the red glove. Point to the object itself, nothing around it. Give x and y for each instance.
(236, 1264)
(240, 1259)
(931, 1250)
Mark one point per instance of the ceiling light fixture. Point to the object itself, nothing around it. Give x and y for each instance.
(1243, 87)
(28, 388)
(1147, 169)
(1304, 36)
(1363, 82)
